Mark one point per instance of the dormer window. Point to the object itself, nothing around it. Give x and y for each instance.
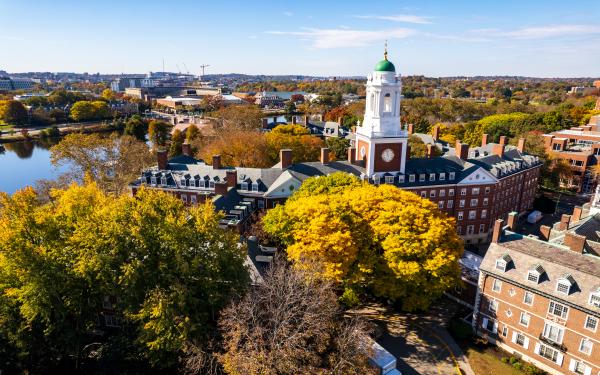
(255, 186)
(563, 287)
(442, 176)
(422, 177)
(401, 179)
(411, 178)
(451, 176)
(595, 298)
(163, 181)
(244, 186)
(432, 177)
(153, 180)
(211, 184)
(389, 179)
(183, 182)
(534, 274)
(376, 180)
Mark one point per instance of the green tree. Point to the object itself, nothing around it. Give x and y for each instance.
(339, 147)
(192, 133)
(136, 127)
(396, 244)
(177, 139)
(13, 112)
(158, 132)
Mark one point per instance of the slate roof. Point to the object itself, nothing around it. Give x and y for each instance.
(555, 260)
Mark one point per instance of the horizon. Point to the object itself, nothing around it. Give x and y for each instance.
(549, 39)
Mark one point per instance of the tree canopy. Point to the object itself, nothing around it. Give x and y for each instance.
(381, 238)
(13, 112)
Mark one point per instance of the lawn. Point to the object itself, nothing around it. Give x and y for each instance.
(486, 362)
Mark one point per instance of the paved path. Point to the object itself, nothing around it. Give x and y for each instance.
(419, 341)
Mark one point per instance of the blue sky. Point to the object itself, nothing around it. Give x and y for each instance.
(434, 38)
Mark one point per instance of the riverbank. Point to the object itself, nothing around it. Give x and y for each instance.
(63, 129)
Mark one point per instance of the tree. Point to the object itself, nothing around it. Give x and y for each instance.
(339, 147)
(418, 149)
(291, 324)
(304, 147)
(388, 240)
(108, 95)
(171, 268)
(136, 127)
(113, 162)
(158, 132)
(233, 147)
(243, 117)
(177, 139)
(192, 133)
(13, 112)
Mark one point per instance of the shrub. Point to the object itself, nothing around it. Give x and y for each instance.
(513, 360)
(504, 359)
(518, 365)
(349, 298)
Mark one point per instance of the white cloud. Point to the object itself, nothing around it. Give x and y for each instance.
(542, 32)
(408, 18)
(343, 38)
(288, 13)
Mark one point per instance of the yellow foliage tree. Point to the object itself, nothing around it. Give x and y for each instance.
(390, 241)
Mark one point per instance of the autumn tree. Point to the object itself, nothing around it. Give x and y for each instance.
(304, 146)
(243, 117)
(390, 241)
(291, 324)
(113, 162)
(89, 110)
(339, 147)
(242, 148)
(158, 132)
(108, 95)
(177, 139)
(418, 148)
(192, 132)
(172, 269)
(13, 112)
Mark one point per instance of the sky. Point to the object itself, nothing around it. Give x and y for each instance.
(324, 38)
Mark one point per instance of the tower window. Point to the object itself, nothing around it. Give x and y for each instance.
(387, 103)
(372, 102)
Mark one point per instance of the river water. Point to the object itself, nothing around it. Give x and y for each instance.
(23, 163)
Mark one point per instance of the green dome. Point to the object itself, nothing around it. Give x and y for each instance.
(385, 66)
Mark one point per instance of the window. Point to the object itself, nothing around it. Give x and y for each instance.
(557, 309)
(591, 323)
(528, 298)
(578, 367)
(451, 192)
(432, 193)
(481, 228)
(475, 191)
(387, 103)
(376, 180)
(524, 319)
(458, 229)
(450, 204)
(520, 339)
(595, 299)
(442, 193)
(548, 352)
(483, 214)
(244, 186)
(389, 179)
(261, 204)
(401, 179)
(442, 176)
(184, 182)
(451, 175)
(490, 325)
(470, 229)
(472, 215)
(563, 286)
(505, 331)
(432, 177)
(463, 191)
(441, 204)
(553, 333)
(586, 346)
(211, 184)
(153, 180)
(533, 276)
(497, 286)
(423, 194)
(474, 202)
(193, 199)
(461, 203)
(422, 177)
(487, 189)
(493, 305)
(163, 181)
(255, 186)
(460, 215)
(411, 178)
(184, 198)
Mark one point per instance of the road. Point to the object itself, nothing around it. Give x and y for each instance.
(419, 341)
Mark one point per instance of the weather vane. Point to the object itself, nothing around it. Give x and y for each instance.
(385, 50)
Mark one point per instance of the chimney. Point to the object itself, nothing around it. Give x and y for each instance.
(265, 123)
(545, 231)
(161, 158)
(564, 222)
(285, 156)
(216, 164)
(498, 149)
(324, 155)
(484, 140)
(498, 224)
(575, 242)
(231, 176)
(294, 120)
(407, 152)
(503, 140)
(351, 155)
(576, 216)
(430, 151)
(512, 221)
(186, 148)
(411, 129)
(306, 120)
(548, 140)
(221, 188)
(521, 145)
(461, 150)
(435, 133)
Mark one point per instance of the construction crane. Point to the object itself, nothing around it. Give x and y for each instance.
(186, 68)
(178, 70)
(202, 67)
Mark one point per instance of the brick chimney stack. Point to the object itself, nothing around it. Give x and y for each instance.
(576, 216)
(221, 188)
(503, 140)
(564, 222)
(521, 145)
(161, 158)
(186, 148)
(498, 149)
(512, 221)
(575, 242)
(285, 156)
(484, 140)
(324, 155)
(231, 176)
(435, 133)
(461, 150)
(216, 162)
(430, 149)
(352, 155)
(411, 129)
(498, 224)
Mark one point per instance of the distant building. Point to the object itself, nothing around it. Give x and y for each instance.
(10, 84)
(580, 147)
(540, 298)
(122, 83)
(583, 90)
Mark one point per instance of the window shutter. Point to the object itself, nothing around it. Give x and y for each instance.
(484, 323)
(514, 337)
(588, 370)
(526, 343)
(495, 329)
(536, 350)
(572, 365)
(559, 359)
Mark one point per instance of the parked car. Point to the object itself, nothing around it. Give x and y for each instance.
(534, 217)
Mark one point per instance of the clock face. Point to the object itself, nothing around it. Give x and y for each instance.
(363, 151)
(387, 155)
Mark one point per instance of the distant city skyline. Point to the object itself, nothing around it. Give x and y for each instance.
(464, 38)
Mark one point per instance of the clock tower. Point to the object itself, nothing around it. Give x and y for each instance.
(380, 141)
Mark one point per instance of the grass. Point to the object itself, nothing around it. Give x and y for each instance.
(485, 361)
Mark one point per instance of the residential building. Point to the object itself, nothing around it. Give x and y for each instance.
(580, 147)
(475, 186)
(539, 298)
